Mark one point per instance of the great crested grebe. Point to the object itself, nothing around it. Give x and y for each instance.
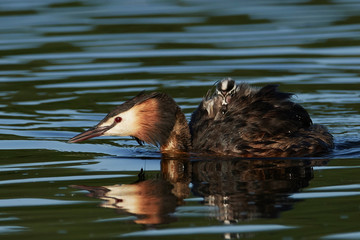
(236, 120)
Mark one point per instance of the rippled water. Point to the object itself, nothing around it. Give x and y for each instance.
(64, 64)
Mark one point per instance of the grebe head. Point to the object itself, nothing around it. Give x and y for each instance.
(216, 102)
(226, 87)
(146, 117)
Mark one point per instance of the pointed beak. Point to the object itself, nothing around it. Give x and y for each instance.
(92, 132)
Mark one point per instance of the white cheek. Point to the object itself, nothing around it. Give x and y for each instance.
(127, 127)
(120, 129)
(114, 131)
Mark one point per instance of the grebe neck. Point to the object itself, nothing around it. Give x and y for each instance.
(179, 139)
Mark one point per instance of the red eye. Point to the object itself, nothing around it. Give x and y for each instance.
(118, 119)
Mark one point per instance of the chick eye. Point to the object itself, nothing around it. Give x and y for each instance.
(118, 119)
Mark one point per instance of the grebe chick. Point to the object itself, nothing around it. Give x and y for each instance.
(236, 120)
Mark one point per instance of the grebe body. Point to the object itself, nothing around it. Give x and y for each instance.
(236, 120)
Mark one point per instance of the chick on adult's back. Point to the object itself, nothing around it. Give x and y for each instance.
(255, 122)
(234, 120)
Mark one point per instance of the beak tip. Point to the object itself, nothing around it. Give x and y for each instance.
(76, 139)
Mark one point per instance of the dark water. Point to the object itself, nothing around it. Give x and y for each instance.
(64, 64)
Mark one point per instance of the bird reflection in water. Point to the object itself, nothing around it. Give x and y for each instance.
(239, 189)
(151, 201)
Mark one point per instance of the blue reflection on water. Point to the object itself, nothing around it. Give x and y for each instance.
(210, 230)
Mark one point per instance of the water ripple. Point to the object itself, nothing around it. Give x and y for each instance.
(209, 230)
(63, 178)
(27, 202)
(323, 195)
(350, 235)
(11, 229)
(336, 188)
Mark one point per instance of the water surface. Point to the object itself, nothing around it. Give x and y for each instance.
(65, 64)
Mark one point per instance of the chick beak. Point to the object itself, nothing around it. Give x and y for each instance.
(90, 133)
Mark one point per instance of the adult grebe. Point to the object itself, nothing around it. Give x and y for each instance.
(235, 120)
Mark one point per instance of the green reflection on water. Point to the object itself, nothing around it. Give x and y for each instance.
(31, 34)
